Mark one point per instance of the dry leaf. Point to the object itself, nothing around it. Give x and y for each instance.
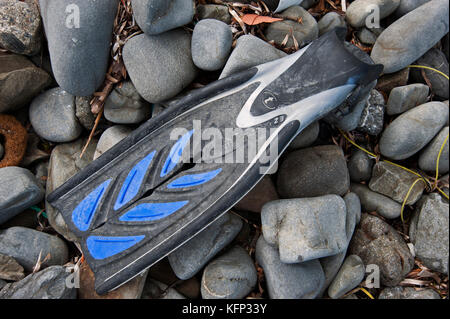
(254, 19)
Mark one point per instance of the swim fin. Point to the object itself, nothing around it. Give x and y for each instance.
(150, 193)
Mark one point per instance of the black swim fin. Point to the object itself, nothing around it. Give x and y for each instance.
(138, 202)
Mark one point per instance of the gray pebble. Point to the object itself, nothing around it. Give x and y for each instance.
(10, 269)
(349, 276)
(407, 6)
(111, 137)
(372, 117)
(404, 98)
(330, 21)
(83, 112)
(366, 36)
(353, 204)
(214, 11)
(428, 157)
(375, 202)
(306, 137)
(359, 10)
(360, 166)
(408, 293)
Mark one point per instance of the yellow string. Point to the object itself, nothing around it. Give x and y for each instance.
(429, 68)
(366, 292)
(406, 198)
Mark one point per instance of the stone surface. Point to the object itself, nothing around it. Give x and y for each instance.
(408, 293)
(190, 258)
(154, 289)
(170, 61)
(360, 166)
(375, 202)
(358, 11)
(20, 81)
(389, 81)
(25, 245)
(407, 6)
(288, 281)
(211, 44)
(214, 11)
(349, 276)
(111, 137)
(79, 33)
(83, 112)
(376, 242)
(49, 283)
(125, 106)
(263, 192)
(313, 172)
(230, 276)
(330, 21)
(301, 230)
(306, 137)
(20, 27)
(412, 130)
(429, 155)
(158, 16)
(52, 115)
(404, 98)
(19, 190)
(404, 41)
(366, 36)
(429, 232)
(10, 269)
(372, 117)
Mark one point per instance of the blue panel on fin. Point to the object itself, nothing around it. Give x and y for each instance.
(151, 211)
(82, 215)
(102, 247)
(133, 182)
(175, 153)
(194, 179)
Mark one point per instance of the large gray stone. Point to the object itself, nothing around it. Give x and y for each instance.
(404, 98)
(412, 130)
(306, 137)
(111, 137)
(407, 6)
(160, 66)
(330, 21)
(19, 190)
(360, 166)
(405, 40)
(359, 10)
(408, 293)
(375, 202)
(79, 34)
(349, 276)
(429, 155)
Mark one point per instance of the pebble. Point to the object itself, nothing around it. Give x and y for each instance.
(158, 16)
(360, 166)
(26, 245)
(52, 115)
(230, 276)
(301, 230)
(214, 11)
(49, 283)
(307, 4)
(19, 190)
(408, 293)
(429, 155)
(349, 276)
(407, 6)
(413, 130)
(387, 82)
(250, 51)
(304, 33)
(404, 98)
(330, 21)
(211, 44)
(83, 112)
(377, 243)
(261, 194)
(445, 46)
(157, 290)
(404, 41)
(20, 27)
(190, 258)
(307, 137)
(10, 269)
(353, 205)
(288, 281)
(375, 202)
(314, 171)
(358, 11)
(429, 232)
(366, 36)
(169, 59)
(372, 117)
(79, 48)
(111, 137)
(125, 106)
(20, 81)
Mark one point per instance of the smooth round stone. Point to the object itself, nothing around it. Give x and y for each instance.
(407, 6)
(404, 98)
(330, 21)
(360, 166)
(230, 276)
(160, 66)
(408, 293)
(353, 204)
(366, 36)
(404, 41)
(19, 190)
(79, 34)
(349, 276)
(214, 11)
(412, 130)
(429, 155)
(125, 106)
(158, 16)
(52, 115)
(306, 137)
(375, 202)
(304, 33)
(359, 10)
(211, 44)
(83, 112)
(111, 137)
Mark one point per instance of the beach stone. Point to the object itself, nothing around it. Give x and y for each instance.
(429, 232)
(154, 289)
(304, 32)
(330, 21)
(366, 36)
(375, 202)
(359, 10)
(230, 276)
(83, 112)
(52, 115)
(372, 117)
(349, 276)
(377, 243)
(301, 230)
(25, 245)
(353, 205)
(190, 258)
(125, 106)
(360, 166)
(10, 269)
(404, 41)
(19, 190)
(20, 27)
(314, 171)
(170, 63)
(429, 155)
(306, 137)
(20, 81)
(49, 283)
(445, 46)
(111, 137)
(387, 82)
(308, 3)
(404, 98)
(211, 44)
(408, 293)
(407, 6)
(288, 281)
(79, 33)
(261, 194)
(412, 130)
(250, 51)
(214, 11)
(158, 16)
